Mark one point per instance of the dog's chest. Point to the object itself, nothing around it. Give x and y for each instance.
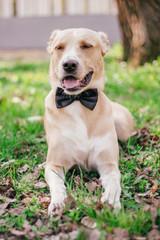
(75, 134)
(78, 145)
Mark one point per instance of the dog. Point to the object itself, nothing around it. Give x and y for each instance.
(82, 125)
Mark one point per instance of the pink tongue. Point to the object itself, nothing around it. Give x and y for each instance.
(70, 83)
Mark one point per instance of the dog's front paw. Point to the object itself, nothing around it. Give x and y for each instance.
(55, 208)
(115, 203)
(112, 192)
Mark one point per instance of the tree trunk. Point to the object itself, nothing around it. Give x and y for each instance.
(140, 25)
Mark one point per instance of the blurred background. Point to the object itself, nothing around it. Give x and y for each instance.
(28, 24)
(30, 8)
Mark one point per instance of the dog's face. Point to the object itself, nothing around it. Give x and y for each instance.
(77, 59)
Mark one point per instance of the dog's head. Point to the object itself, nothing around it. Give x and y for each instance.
(77, 59)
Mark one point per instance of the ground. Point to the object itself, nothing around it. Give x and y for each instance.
(24, 195)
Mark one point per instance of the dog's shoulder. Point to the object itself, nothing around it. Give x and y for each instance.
(104, 104)
(50, 100)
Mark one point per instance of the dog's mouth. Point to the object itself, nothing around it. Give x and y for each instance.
(71, 83)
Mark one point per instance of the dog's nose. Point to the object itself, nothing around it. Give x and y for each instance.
(70, 66)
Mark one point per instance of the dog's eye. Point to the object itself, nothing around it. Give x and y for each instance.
(60, 47)
(86, 46)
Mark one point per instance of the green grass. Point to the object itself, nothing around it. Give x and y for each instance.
(23, 88)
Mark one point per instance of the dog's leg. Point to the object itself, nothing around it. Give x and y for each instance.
(54, 176)
(110, 176)
(107, 166)
(123, 121)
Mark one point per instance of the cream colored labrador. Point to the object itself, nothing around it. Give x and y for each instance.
(82, 125)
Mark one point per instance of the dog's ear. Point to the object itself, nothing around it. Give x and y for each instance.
(104, 42)
(51, 41)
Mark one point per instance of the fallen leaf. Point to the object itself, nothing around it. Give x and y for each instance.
(92, 186)
(88, 222)
(95, 198)
(6, 187)
(38, 223)
(154, 187)
(26, 226)
(144, 137)
(67, 226)
(16, 211)
(24, 168)
(43, 234)
(98, 181)
(109, 236)
(45, 200)
(147, 170)
(99, 205)
(149, 158)
(73, 235)
(154, 138)
(26, 200)
(2, 221)
(7, 163)
(40, 185)
(137, 198)
(144, 131)
(25, 232)
(36, 172)
(152, 210)
(144, 194)
(10, 193)
(31, 176)
(94, 235)
(31, 235)
(28, 178)
(77, 181)
(139, 238)
(4, 205)
(9, 181)
(152, 201)
(1, 197)
(65, 236)
(143, 173)
(138, 171)
(70, 202)
(153, 235)
(121, 234)
(17, 232)
(87, 200)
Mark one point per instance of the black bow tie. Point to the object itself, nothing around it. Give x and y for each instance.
(87, 98)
